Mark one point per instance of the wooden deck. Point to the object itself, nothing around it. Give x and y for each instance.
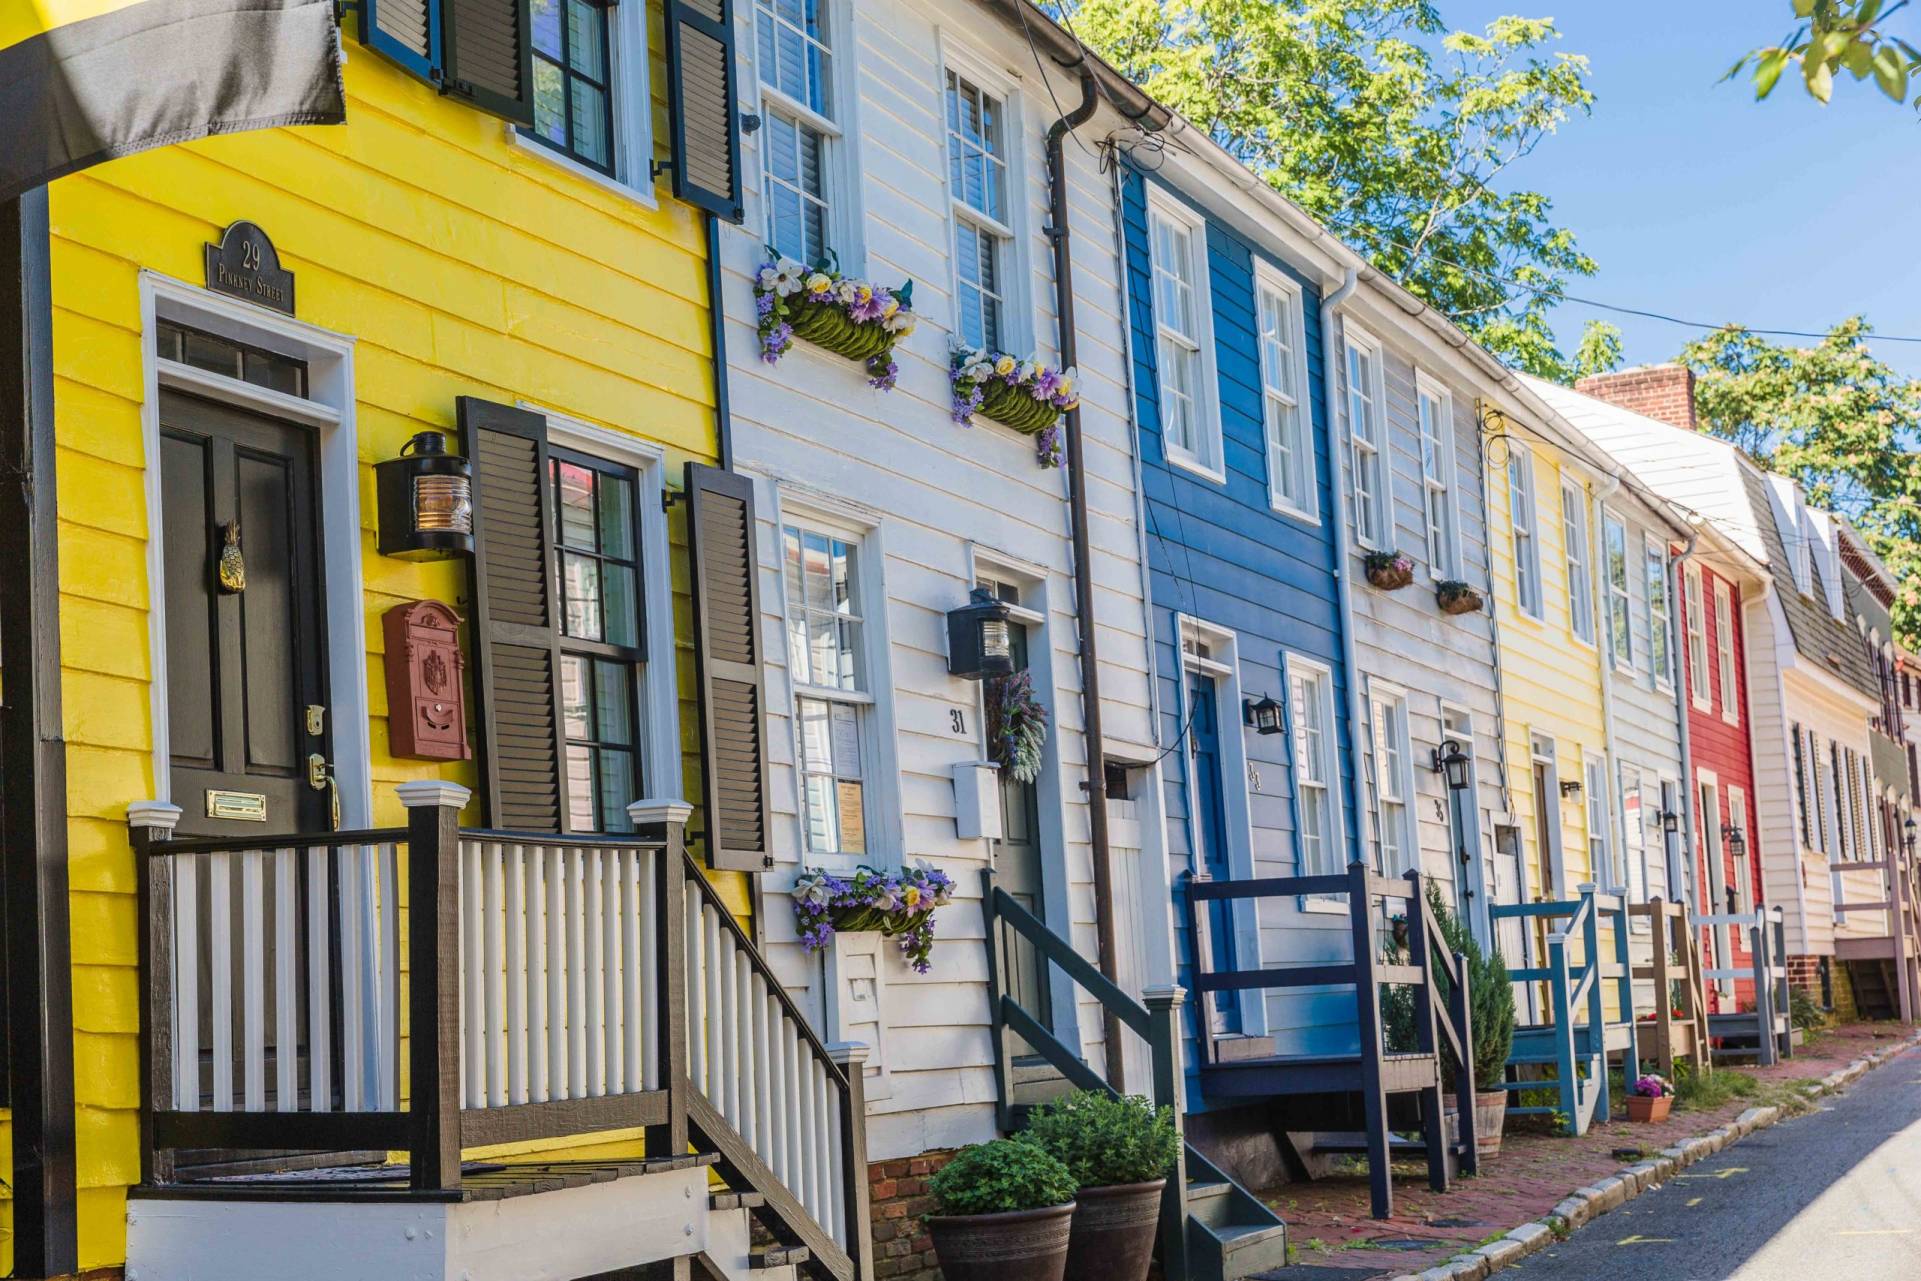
(1279, 1075)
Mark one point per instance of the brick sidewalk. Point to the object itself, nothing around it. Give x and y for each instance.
(1328, 1223)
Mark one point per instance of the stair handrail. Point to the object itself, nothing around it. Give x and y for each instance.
(1425, 940)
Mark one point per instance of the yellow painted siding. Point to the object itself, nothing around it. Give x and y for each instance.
(465, 265)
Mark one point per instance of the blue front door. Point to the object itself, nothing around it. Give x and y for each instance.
(1208, 829)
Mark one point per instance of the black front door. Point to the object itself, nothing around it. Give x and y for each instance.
(246, 629)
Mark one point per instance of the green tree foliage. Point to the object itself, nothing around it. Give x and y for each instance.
(1396, 132)
(1600, 351)
(1832, 38)
(1837, 420)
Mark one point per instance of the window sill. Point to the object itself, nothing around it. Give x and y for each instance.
(1321, 906)
(1189, 463)
(1281, 507)
(644, 197)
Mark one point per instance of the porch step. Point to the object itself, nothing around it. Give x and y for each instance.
(1238, 1251)
(778, 1256)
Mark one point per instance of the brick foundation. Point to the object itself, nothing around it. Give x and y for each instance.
(1804, 975)
(902, 1249)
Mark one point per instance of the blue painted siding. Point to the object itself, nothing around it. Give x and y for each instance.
(1217, 551)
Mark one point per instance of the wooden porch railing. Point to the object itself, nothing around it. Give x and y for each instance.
(1679, 1025)
(1768, 1025)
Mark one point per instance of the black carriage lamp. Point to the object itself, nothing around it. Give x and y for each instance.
(1670, 822)
(1908, 828)
(1570, 789)
(426, 499)
(979, 641)
(1451, 763)
(1737, 841)
(1263, 713)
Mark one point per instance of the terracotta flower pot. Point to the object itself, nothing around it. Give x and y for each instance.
(1021, 1245)
(1114, 1230)
(1490, 1118)
(1642, 1107)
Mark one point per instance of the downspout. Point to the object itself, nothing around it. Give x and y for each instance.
(1484, 920)
(1683, 699)
(1343, 577)
(1604, 659)
(717, 332)
(1096, 785)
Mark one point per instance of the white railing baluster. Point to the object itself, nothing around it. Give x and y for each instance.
(388, 1094)
(774, 1087)
(551, 993)
(186, 978)
(593, 967)
(473, 982)
(718, 962)
(220, 935)
(576, 976)
(320, 1082)
(517, 932)
(635, 993)
(612, 998)
(353, 1020)
(809, 1129)
(696, 937)
(286, 988)
(830, 1142)
(744, 1055)
(494, 959)
(253, 979)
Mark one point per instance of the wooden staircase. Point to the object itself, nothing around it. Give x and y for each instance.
(1876, 988)
(1765, 1033)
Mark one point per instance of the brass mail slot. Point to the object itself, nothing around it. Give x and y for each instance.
(244, 807)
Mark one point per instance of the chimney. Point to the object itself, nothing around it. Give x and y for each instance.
(1659, 391)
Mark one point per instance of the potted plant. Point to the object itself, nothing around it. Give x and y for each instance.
(1022, 394)
(1490, 1000)
(1120, 1151)
(851, 318)
(1651, 1098)
(1456, 597)
(1004, 1212)
(1389, 571)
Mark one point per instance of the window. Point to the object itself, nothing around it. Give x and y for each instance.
(1373, 506)
(1614, 548)
(573, 89)
(1580, 573)
(597, 580)
(1743, 873)
(1310, 692)
(1521, 513)
(1713, 855)
(1436, 409)
(219, 355)
(1177, 248)
(1393, 783)
(977, 190)
(830, 683)
(1724, 653)
(1660, 633)
(1600, 844)
(1803, 789)
(1698, 689)
(1634, 837)
(1290, 444)
(798, 128)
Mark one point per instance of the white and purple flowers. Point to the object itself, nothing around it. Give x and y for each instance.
(899, 904)
(848, 317)
(1023, 394)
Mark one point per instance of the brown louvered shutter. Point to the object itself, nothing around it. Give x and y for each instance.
(488, 57)
(515, 632)
(732, 669)
(403, 30)
(702, 105)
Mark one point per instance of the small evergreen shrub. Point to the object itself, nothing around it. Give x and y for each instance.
(1490, 998)
(1104, 1140)
(1805, 1012)
(1002, 1176)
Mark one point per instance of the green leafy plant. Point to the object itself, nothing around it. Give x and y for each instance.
(1002, 1176)
(1490, 994)
(1104, 1140)
(1805, 1012)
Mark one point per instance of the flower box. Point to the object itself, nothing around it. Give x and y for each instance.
(851, 318)
(1458, 598)
(899, 904)
(1389, 571)
(1022, 394)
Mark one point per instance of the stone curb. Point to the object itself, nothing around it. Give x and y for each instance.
(1589, 1203)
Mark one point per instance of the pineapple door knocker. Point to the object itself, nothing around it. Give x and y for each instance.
(232, 569)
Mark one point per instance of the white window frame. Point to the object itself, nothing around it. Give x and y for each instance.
(1016, 328)
(1525, 535)
(1660, 610)
(1739, 821)
(1620, 596)
(1578, 551)
(1209, 461)
(1729, 675)
(1632, 780)
(1440, 499)
(1276, 402)
(1708, 815)
(628, 66)
(1602, 864)
(1298, 667)
(1391, 762)
(839, 132)
(1700, 688)
(1367, 451)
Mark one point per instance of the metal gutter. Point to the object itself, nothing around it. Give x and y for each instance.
(1677, 598)
(1604, 660)
(1343, 553)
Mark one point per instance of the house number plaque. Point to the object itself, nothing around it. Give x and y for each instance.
(246, 265)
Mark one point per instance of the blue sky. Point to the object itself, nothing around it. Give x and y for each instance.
(1699, 202)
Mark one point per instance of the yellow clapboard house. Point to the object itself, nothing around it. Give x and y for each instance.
(398, 609)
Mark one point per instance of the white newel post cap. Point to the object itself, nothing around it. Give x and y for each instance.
(644, 813)
(158, 816)
(1169, 994)
(848, 1053)
(422, 793)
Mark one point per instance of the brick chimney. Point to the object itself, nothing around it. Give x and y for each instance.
(1659, 391)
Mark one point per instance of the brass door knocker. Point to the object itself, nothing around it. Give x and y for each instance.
(232, 569)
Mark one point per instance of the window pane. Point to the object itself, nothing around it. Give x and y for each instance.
(817, 571)
(580, 789)
(616, 789)
(590, 141)
(616, 509)
(546, 15)
(574, 500)
(613, 703)
(581, 584)
(587, 39)
(576, 705)
(783, 148)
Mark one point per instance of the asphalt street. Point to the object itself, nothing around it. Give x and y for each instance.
(1831, 1196)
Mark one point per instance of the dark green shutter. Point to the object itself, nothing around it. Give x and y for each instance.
(514, 629)
(487, 56)
(406, 31)
(705, 125)
(731, 666)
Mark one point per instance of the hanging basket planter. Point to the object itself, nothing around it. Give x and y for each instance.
(1389, 571)
(1022, 394)
(851, 318)
(1458, 598)
(899, 904)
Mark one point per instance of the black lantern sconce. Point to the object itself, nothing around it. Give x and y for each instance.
(1908, 828)
(1451, 763)
(1570, 789)
(1737, 842)
(426, 499)
(979, 640)
(1264, 714)
(1670, 822)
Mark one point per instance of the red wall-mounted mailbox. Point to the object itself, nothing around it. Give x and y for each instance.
(426, 716)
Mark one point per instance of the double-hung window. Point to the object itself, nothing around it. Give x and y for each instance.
(1290, 445)
(1660, 612)
(1634, 823)
(1177, 248)
(1600, 843)
(1699, 691)
(1310, 691)
(977, 193)
(1436, 410)
(1614, 552)
(1527, 542)
(798, 128)
(597, 581)
(573, 80)
(1580, 566)
(831, 695)
(1393, 782)
(1373, 505)
(1724, 653)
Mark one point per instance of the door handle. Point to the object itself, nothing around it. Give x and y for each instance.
(320, 777)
